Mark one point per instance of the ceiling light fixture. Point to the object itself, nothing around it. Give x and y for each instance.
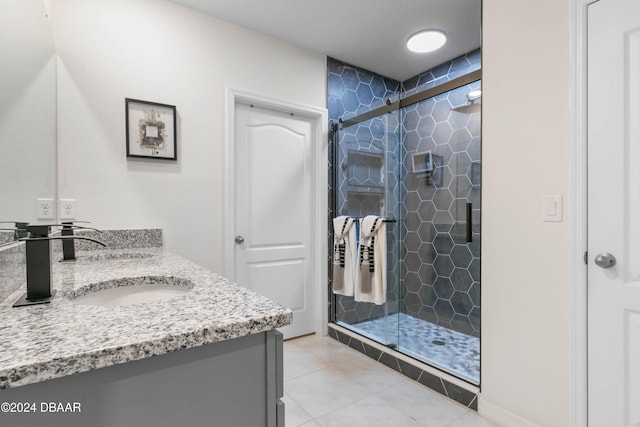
(426, 41)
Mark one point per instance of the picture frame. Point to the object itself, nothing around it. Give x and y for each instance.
(150, 130)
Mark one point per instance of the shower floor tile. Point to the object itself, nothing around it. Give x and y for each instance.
(451, 351)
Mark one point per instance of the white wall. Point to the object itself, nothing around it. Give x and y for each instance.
(525, 262)
(27, 110)
(161, 52)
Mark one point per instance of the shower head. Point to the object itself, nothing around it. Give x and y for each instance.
(472, 105)
(474, 94)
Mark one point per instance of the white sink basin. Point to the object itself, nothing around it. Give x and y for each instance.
(131, 290)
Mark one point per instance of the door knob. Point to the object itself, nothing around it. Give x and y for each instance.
(605, 260)
(239, 240)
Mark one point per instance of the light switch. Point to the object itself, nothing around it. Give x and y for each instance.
(552, 208)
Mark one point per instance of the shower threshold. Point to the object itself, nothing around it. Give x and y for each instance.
(443, 348)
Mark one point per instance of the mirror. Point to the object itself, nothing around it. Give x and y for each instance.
(27, 113)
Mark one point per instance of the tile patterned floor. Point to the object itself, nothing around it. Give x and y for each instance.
(329, 384)
(444, 348)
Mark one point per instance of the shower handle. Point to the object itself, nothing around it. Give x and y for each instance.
(605, 260)
(469, 231)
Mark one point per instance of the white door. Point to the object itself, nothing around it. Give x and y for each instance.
(274, 211)
(614, 213)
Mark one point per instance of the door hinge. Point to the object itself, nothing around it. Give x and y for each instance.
(586, 257)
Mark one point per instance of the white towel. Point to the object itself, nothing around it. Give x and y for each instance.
(344, 257)
(371, 286)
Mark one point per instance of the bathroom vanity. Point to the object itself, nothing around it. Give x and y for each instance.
(207, 356)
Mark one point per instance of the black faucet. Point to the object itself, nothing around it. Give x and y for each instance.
(38, 250)
(21, 230)
(68, 245)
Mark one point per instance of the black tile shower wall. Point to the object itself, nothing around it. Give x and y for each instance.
(368, 162)
(441, 282)
(352, 90)
(434, 274)
(458, 67)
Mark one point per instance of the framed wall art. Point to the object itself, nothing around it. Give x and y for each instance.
(151, 130)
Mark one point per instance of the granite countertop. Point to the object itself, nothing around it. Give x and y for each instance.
(63, 338)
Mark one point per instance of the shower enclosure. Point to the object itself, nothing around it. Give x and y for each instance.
(415, 161)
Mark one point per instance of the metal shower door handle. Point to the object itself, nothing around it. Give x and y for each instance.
(239, 240)
(605, 260)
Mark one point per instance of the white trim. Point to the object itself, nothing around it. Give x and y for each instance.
(578, 190)
(499, 416)
(320, 156)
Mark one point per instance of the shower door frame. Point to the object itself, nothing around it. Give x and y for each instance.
(453, 84)
(335, 128)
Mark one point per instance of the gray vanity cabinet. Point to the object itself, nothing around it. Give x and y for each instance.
(231, 383)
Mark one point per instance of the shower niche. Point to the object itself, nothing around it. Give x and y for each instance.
(416, 163)
(365, 183)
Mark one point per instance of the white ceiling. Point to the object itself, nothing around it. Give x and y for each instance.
(367, 33)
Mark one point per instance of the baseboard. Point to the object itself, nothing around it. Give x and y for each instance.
(501, 417)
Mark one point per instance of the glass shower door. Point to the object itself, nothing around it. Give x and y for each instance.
(366, 168)
(419, 169)
(439, 320)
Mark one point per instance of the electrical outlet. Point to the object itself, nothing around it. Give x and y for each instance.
(67, 208)
(45, 209)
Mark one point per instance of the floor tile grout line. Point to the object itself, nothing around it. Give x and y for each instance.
(366, 361)
(336, 409)
(300, 406)
(401, 380)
